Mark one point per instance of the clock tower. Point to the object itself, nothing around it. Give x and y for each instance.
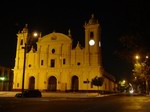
(93, 42)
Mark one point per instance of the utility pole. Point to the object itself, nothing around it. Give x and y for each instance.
(24, 65)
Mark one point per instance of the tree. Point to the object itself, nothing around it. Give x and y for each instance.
(97, 81)
(123, 86)
(141, 75)
(132, 44)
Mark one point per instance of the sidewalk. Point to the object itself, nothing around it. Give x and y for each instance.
(56, 94)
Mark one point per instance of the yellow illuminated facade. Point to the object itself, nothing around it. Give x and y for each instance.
(54, 65)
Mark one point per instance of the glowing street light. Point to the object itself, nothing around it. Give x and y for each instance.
(137, 57)
(124, 81)
(141, 70)
(35, 34)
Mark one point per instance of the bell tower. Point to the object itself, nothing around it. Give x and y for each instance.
(93, 42)
(21, 40)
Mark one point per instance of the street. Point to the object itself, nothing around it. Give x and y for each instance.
(97, 104)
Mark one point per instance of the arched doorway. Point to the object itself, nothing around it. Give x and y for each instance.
(31, 82)
(75, 83)
(52, 83)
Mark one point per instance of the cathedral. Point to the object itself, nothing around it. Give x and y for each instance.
(53, 64)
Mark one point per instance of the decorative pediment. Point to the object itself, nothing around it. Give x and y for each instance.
(55, 37)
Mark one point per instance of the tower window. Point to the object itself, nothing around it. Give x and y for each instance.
(91, 34)
(21, 43)
(64, 61)
(52, 63)
(42, 62)
(17, 84)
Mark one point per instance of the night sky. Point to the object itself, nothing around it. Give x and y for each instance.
(117, 18)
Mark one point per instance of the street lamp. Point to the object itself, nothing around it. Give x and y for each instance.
(137, 57)
(141, 71)
(146, 74)
(35, 34)
(24, 63)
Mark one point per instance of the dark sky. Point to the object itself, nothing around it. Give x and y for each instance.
(117, 18)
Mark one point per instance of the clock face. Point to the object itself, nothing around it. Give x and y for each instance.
(91, 42)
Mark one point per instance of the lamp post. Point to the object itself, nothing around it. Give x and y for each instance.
(146, 75)
(24, 64)
(141, 71)
(24, 60)
(137, 73)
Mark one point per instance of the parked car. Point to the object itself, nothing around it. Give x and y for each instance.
(29, 94)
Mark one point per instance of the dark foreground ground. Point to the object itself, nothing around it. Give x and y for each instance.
(112, 103)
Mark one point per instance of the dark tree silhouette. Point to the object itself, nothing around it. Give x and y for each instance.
(97, 81)
(132, 45)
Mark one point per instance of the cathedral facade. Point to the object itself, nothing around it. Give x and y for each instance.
(54, 65)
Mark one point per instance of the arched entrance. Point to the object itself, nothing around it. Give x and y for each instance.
(75, 83)
(31, 82)
(52, 83)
